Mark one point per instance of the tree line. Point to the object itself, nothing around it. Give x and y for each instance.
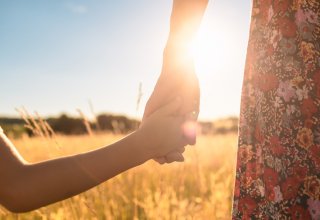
(67, 125)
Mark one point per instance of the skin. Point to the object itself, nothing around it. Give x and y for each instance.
(27, 186)
(178, 77)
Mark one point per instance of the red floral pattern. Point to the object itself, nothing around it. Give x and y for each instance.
(278, 167)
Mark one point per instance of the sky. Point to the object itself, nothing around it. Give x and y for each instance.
(59, 56)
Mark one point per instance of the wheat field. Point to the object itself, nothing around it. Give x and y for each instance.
(199, 188)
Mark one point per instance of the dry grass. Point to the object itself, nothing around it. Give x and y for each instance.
(199, 188)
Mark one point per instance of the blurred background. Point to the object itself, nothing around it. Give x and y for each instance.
(59, 56)
(75, 75)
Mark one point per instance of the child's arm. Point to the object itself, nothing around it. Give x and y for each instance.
(24, 187)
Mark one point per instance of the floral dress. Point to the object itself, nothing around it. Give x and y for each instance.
(278, 162)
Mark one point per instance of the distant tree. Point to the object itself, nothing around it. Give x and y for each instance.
(105, 122)
(67, 125)
(116, 123)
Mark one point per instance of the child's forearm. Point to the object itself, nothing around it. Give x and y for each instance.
(40, 184)
(24, 187)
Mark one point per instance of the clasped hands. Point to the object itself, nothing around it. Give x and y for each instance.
(182, 84)
(178, 77)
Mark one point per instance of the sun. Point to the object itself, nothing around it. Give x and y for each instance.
(208, 47)
(218, 51)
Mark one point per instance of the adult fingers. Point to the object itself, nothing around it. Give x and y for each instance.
(181, 149)
(174, 156)
(171, 157)
(160, 160)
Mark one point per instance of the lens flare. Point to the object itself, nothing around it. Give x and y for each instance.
(190, 129)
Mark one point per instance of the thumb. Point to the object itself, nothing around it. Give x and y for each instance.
(172, 107)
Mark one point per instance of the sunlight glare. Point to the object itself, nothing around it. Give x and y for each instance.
(208, 47)
(219, 50)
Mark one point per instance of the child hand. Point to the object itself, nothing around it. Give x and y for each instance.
(162, 130)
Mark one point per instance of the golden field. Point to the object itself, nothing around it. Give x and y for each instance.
(199, 188)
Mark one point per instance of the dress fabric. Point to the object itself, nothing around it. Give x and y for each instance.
(278, 160)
